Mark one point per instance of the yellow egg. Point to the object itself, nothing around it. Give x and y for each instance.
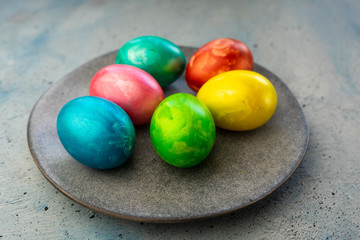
(239, 100)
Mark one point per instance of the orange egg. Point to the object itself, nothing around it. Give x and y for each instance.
(215, 57)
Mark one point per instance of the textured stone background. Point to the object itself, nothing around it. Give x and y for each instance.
(312, 45)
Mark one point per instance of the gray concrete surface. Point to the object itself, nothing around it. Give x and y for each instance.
(313, 46)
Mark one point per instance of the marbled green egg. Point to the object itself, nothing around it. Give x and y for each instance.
(182, 130)
(159, 57)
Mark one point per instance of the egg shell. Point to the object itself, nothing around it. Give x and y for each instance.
(133, 89)
(239, 100)
(216, 57)
(182, 130)
(96, 132)
(159, 57)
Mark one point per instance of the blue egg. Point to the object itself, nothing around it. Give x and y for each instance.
(96, 132)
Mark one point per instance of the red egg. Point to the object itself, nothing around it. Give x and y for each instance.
(215, 57)
(133, 89)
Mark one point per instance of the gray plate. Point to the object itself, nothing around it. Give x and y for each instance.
(242, 168)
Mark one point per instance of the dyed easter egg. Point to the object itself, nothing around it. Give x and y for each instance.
(161, 58)
(133, 89)
(215, 57)
(96, 132)
(182, 130)
(239, 100)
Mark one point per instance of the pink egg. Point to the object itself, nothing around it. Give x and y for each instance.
(133, 89)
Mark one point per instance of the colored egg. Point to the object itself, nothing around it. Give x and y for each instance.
(182, 130)
(239, 100)
(96, 132)
(161, 58)
(133, 89)
(216, 57)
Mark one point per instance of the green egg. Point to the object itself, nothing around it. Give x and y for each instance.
(159, 57)
(182, 130)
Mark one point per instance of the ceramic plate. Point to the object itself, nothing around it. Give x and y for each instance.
(242, 168)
